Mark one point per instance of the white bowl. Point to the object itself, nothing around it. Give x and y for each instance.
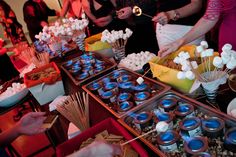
(231, 106)
(12, 100)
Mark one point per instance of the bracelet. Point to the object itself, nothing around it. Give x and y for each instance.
(176, 15)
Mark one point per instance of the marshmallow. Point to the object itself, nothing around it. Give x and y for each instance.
(226, 47)
(231, 64)
(162, 126)
(199, 49)
(190, 75)
(204, 44)
(181, 75)
(181, 54)
(233, 113)
(15, 88)
(209, 52)
(217, 62)
(140, 80)
(185, 67)
(225, 58)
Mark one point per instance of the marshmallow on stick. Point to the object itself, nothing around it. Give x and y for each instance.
(160, 127)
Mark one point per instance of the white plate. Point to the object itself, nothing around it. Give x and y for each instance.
(231, 106)
(12, 100)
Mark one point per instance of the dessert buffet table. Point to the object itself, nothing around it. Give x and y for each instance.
(152, 95)
(99, 112)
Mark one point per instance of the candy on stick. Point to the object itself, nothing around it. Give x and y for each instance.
(160, 127)
(204, 44)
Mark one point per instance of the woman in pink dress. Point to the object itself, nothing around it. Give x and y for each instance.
(223, 11)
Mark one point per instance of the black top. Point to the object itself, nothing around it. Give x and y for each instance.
(167, 5)
(148, 7)
(33, 20)
(106, 9)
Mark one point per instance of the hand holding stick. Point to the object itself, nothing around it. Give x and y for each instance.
(138, 12)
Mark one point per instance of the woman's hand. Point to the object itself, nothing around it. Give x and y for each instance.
(103, 21)
(124, 13)
(31, 123)
(169, 48)
(162, 18)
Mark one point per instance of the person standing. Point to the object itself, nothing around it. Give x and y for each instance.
(12, 28)
(36, 14)
(101, 15)
(175, 18)
(143, 37)
(222, 11)
(72, 7)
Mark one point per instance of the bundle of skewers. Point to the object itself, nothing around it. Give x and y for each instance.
(76, 110)
(30, 56)
(118, 40)
(214, 69)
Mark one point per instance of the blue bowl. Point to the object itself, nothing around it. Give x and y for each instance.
(83, 76)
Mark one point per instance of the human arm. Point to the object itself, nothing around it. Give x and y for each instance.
(99, 149)
(206, 23)
(65, 8)
(202, 27)
(185, 11)
(86, 7)
(30, 124)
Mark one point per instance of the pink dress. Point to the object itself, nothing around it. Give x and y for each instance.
(226, 10)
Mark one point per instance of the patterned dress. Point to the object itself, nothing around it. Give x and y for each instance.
(226, 11)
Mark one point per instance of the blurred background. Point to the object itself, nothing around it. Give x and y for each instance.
(17, 6)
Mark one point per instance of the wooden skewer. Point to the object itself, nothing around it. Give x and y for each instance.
(74, 109)
(138, 137)
(146, 72)
(147, 15)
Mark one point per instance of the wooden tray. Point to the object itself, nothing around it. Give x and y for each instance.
(200, 108)
(109, 66)
(159, 89)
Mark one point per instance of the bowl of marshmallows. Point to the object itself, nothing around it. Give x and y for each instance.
(13, 94)
(136, 61)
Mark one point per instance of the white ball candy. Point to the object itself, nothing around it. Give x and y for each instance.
(181, 75)
(231, 64)
(185, 67)
(176, 60)
(199, 49)
(209, 52)
(227, 47)
(162, 126)
(233, 113)
(190, 75)
(225, 59)
(217, 61)
(204, 44)
(140, 80)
